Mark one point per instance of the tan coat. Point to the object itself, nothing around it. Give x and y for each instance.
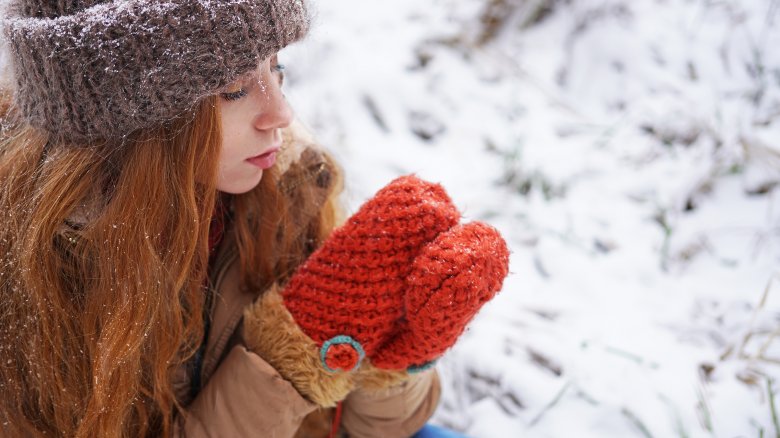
(243, 396)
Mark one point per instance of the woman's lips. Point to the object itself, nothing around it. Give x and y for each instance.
(264, 160)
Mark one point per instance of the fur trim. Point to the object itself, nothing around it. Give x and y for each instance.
(271, 332)
(373, 379)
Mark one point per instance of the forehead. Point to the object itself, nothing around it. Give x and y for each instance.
(254, 74)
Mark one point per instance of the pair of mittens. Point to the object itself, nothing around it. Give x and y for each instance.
(390, 290)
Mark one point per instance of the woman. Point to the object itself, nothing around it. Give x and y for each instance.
(156, 206)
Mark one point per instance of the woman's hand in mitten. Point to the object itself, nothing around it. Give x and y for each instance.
(348, 298)
(451, 279)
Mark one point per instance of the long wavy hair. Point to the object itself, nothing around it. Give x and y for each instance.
(97, 313)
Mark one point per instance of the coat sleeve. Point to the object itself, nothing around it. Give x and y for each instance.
(399, 411)
(245, 397)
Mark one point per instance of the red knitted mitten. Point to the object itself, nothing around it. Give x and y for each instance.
(451, 279)
(397, 283)
(348, 295)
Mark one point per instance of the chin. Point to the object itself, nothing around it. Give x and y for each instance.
(239, 186)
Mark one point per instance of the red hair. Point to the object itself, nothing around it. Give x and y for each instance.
(95, 316)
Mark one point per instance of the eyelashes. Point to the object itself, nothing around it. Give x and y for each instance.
(235, 95)
(279, 68)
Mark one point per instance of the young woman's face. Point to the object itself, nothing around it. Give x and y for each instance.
(253, 113)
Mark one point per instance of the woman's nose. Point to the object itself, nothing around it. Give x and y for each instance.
(276, 112)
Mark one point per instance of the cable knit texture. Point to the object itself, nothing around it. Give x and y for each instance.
(354, 284)
(89, 70)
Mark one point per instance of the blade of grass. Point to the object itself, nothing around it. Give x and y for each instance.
(678, 423)
(704, 410)
(637, 422)
(772, 406)
(550, 405)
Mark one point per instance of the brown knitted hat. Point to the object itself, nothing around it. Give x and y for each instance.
(88, 70)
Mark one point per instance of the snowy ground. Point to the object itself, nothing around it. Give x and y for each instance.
(629, 153)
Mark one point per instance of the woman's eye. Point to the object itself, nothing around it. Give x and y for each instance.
(234, 95)
(279, 68)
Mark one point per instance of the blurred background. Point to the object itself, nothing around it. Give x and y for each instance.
(629, 151)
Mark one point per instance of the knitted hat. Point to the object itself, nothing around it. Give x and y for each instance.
(89, 70)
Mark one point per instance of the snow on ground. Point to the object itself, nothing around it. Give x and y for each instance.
(629, 153)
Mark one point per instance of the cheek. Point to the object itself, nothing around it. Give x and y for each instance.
(229, 155)
(228, 164)
(231, 139)
(235, 175)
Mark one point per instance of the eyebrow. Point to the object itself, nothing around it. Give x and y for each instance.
(241, 80)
